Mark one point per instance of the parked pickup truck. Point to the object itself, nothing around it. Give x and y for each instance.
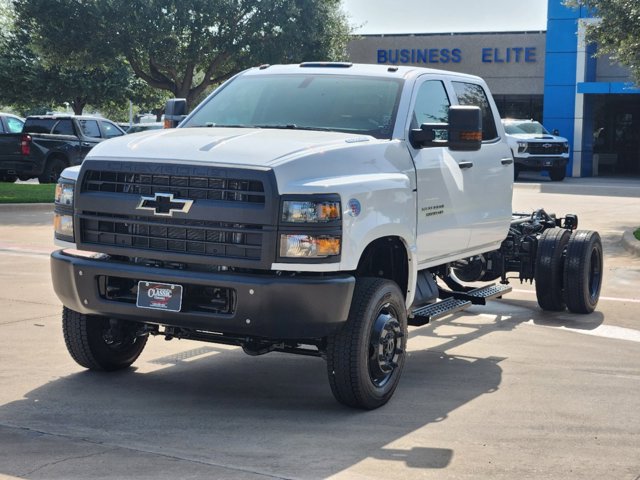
(8, 124)
(50, 143)
(535, 149)
(316, 209)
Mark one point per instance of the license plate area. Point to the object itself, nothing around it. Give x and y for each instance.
(159, 296)
(548, 163)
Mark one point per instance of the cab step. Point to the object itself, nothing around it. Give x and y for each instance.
(434, 311)
(479, 296)
(456, 302)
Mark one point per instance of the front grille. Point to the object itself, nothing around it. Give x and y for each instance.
(193, 237)
(182, 186)
(195, 298)
(539, 149)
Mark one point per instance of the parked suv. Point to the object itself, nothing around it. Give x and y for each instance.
(534, 148)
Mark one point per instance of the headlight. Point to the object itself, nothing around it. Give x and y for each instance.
(63, 226)
(309, 246)
(565, 147)
(296, 211)
(63, 211)
(522, 147)
(64, 194)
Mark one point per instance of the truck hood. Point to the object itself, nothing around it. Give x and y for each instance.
(535, 137)
(236, 146)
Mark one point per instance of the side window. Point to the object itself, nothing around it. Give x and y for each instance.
(472, 94)
(89, 128)
(63, 127)
(110, 130)
(432, 104)
(2, 127)
(14, 125)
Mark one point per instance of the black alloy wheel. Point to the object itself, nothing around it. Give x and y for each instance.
(366, 356)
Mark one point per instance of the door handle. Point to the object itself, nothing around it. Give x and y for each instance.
(506, 161)
(463, 165)
(87, 144)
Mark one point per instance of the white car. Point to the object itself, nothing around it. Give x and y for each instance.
(534, 148)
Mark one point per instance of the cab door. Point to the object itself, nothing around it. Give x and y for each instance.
(441, 228)
(90, 136)
(488, 177)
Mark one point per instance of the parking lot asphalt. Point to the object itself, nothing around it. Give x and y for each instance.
(503, 391)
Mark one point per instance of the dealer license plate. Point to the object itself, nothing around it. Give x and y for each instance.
(548, 163)
(159, 296)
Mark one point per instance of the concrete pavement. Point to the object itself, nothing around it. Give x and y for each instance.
(503, 391)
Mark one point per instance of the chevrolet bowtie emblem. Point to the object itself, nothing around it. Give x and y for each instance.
(164, 204)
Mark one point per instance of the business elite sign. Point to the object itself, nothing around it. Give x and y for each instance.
(426, 56)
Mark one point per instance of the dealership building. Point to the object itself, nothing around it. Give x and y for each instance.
(551, 76)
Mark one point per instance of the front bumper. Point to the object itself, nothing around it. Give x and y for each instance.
(267, 306)
(542, 163)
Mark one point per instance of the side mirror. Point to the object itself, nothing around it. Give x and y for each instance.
(174, 112)
(556, 132)
(464, 130)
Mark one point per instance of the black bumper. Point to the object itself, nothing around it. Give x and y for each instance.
(541, 163)
(267, 306)
(22, 167)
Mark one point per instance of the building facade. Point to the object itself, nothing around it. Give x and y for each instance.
(511, 63)
(550, 76)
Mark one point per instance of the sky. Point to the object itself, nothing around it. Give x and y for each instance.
(438, 16)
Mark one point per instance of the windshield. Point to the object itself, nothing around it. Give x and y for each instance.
(518, 128)
(362, 105)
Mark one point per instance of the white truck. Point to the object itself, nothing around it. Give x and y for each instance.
(316, 209)
(535, 149)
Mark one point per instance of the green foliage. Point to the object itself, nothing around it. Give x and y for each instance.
(617, 34)
(26, 193)
(637, 234)
(35, 86)
(184, 46)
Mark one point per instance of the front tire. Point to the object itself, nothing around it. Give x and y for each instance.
(91, 341)
(516, 172)
(366, 356)
(557, 174)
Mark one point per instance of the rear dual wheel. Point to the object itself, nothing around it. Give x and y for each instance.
(569, 270)
(583, 269)
(550, 267)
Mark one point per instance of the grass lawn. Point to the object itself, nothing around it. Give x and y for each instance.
(26, 193)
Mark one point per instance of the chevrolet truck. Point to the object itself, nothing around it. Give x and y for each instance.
(535, 149)
(316, 209)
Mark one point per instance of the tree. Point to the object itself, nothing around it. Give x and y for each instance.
(185, 46)
(28, 81)
(617, 33)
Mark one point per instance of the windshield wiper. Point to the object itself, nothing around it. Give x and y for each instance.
(293, 126)
(219, 125)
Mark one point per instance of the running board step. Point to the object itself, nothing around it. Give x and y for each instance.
(434, 311)
(456, 302)
(479, 296)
